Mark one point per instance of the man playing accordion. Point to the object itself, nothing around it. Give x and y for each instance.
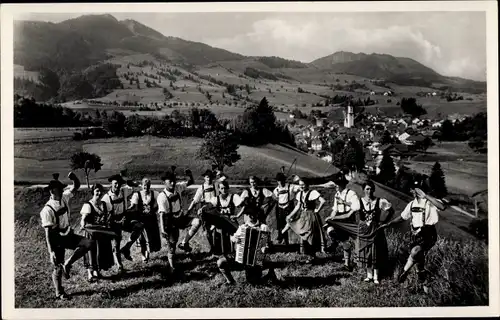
(253, 272)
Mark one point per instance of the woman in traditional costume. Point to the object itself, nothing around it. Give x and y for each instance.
(95, 225)
(305, 221)
(372, 244)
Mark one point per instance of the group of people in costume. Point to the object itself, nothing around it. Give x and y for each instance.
(148, 216)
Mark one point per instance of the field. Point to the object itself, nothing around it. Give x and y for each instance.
(282, 92)
(321, 285)
(458, 264)
(153, 156)
(466, 172)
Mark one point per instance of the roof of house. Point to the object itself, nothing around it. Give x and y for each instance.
(417, 138)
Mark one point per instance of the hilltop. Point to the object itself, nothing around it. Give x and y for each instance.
(103, 38)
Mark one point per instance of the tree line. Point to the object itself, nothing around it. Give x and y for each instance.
(256, 126)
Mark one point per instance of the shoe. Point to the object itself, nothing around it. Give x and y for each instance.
(376, 281)
(368, 279)
(426, 289)
(347, 268)
(66, 269)
(145, 257)
(126, 253)
(92, 279)
(402, 276)
(63, 296)
(96, 274)
(185, 247)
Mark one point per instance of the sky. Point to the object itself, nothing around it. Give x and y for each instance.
(451, 43)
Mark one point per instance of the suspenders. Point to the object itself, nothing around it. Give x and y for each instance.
(424, 211)
(176, 195)
(59, 213)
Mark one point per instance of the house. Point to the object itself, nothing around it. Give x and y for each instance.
(317, 145)
(437, 124)
(404, 138)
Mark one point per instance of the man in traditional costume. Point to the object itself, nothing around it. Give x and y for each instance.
(55, 217)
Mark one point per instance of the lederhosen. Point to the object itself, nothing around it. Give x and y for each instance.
(148, 216)
(97, 229)
(220, 236)
(255, 203)
(115, 223)
(372, 247)
(57, 214)
(345, 228)
(425, 236)
(172, 222)
(282, 210)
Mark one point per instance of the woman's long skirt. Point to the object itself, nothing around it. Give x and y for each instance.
(371, 247)
(220, 228)
(308, 228)
(152, 232)
(99, 257)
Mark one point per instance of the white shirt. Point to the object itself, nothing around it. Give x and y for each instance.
(146, 198)
(420, 207)
(237, 200)
(163, 202)
(202, 194)
(48, 216)
(116, 208)
(369, 205)
(285, 198)
(86, 210)
(313, 196)
(255, 193)
(345, 196)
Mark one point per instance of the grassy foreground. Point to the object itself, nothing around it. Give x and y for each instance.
(459, 267)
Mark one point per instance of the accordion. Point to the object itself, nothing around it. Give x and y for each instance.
(250, 245)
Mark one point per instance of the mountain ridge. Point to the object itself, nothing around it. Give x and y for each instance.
(54, 44)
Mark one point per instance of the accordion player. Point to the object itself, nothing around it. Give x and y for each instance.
(251, 246)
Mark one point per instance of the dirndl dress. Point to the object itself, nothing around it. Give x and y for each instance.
(101, 256)
(308, 225)
(371, 245)
(219, 226)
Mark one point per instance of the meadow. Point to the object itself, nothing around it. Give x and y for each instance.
(152, 156)
(458, 264)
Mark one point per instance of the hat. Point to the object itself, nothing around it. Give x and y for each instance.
(209, 173)
(118, 178)
(280, 176)
(340, 179)
(55, 183)
(168, 176)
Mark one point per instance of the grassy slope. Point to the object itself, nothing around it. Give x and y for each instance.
(459, 267)
(153, 156)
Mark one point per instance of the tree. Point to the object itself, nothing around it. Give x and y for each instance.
(49, 81)
(410, 106)
(387, 172)
(437, 181)
(257, 124)
(221, 148)
(353, 155)
(86, 162)
(447, 131)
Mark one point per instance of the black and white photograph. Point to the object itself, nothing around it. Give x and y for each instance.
(242, 155)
